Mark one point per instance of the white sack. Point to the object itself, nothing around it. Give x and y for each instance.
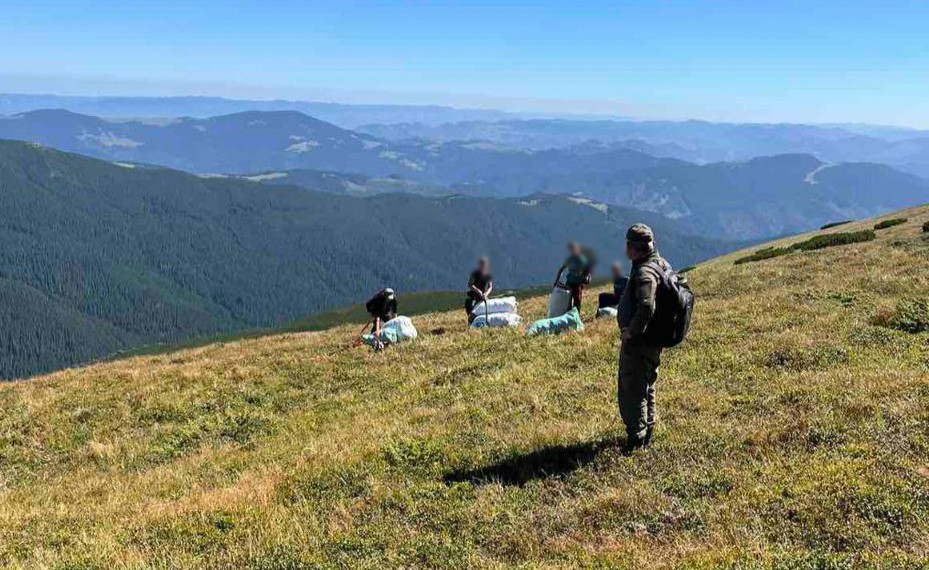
(499, 305)
(403, 326)
(497, 320)
(559, 303)
(606, 312)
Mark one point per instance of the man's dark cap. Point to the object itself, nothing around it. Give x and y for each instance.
(640, 233)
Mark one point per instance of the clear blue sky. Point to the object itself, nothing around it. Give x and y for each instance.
(758, 60)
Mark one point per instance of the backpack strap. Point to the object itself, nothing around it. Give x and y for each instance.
(657, 268)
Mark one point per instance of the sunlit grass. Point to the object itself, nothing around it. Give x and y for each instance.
(794, 433)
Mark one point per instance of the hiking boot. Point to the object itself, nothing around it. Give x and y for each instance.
(649, 435)
(632, 444)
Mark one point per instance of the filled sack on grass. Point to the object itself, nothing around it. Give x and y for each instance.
(570, 321)
(607, 300)
(497, 320)
(559, 302)
(499, 305)
(606, 312)
(397, 329)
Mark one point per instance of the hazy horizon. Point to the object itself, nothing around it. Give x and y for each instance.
(767, 62)
(514, 109)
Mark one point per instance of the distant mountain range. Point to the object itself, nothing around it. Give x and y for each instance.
(693, 141)
(347, 116)
(99, 257)
(749, 199)
(239, 143)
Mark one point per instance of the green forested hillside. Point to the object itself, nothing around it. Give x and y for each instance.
(98, 257)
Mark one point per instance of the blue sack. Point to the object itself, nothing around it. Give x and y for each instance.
(568, 321)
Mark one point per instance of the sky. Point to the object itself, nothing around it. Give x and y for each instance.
(751, 60)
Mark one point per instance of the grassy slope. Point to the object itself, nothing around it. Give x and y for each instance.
(793, 434)
(413, 304)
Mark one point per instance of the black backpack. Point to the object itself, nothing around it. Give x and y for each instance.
(674, 305)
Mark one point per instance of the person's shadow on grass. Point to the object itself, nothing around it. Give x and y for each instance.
(548, 462)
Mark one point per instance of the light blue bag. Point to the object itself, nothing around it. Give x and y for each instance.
(388, 336)
(568, 321)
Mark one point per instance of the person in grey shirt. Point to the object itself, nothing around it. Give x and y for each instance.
(638, 359)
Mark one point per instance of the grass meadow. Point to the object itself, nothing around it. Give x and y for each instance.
(793, 433)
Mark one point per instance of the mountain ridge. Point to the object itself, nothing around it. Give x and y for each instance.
(731, 200)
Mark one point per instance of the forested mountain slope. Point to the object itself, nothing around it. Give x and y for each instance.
(793, 433)
(754, 199)
(766, 196)
(98, 257)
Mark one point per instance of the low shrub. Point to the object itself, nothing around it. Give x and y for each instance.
(908, 316)
(761, 254)
(836, 224)
(872, 336)
(841, 297)
(815, 242)
(884, 224)
(830, 240)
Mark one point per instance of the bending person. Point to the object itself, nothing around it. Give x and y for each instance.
(382, 307)
(480, 286)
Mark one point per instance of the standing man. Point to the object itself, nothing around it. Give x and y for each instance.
(578, 275)
(480, 286)
(382, 307)
(638, 356)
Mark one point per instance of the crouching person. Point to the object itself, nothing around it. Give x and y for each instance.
(639, 356)
(382, 307)
(619, 285)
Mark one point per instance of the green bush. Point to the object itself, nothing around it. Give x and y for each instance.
(835, 224)
(884, 224)
(766, 253)
(829, 240)
(910, 316)
(815, 242)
